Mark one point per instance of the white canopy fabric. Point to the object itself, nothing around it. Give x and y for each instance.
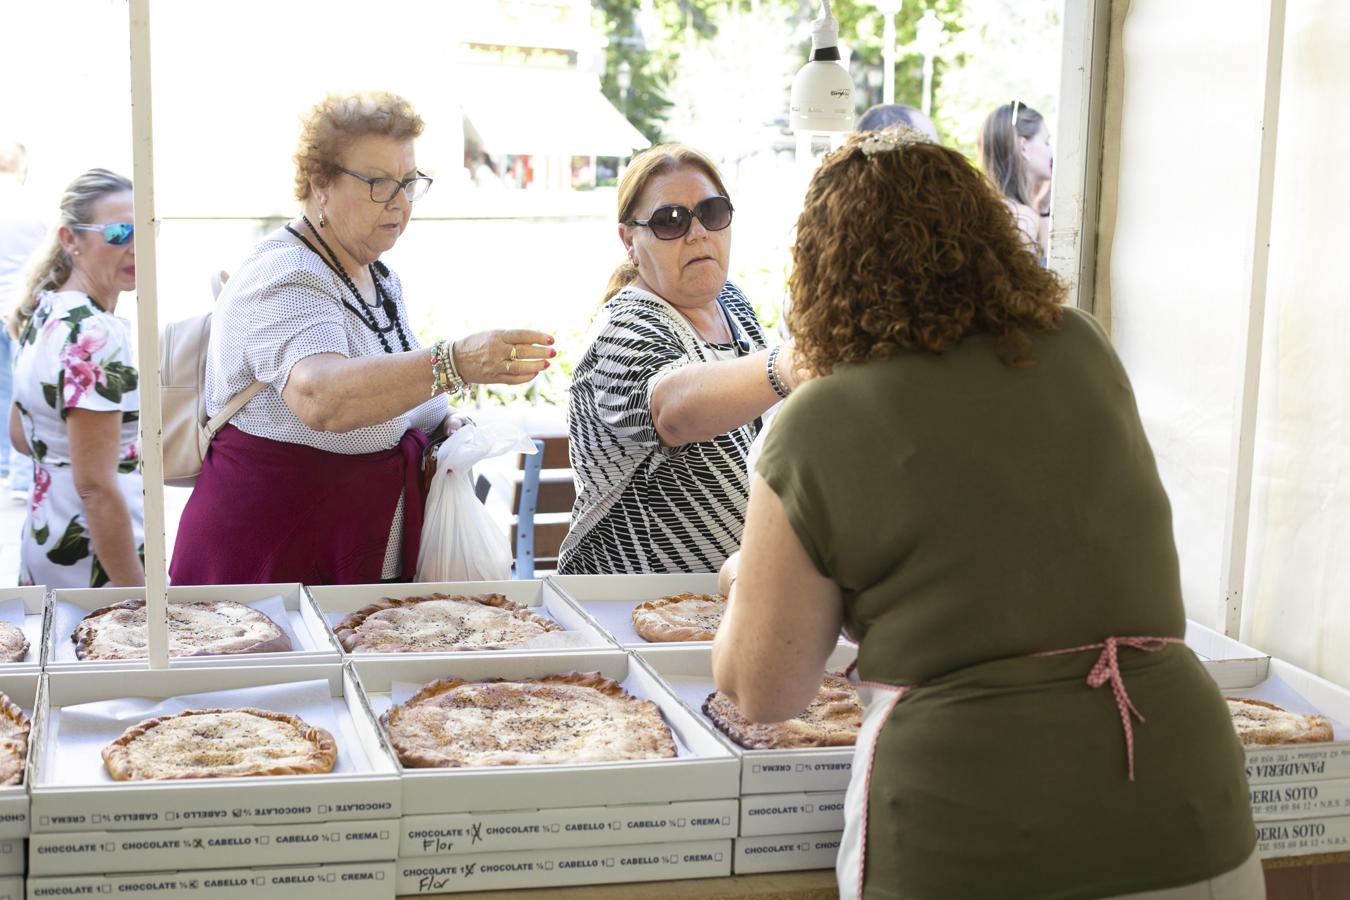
(547, 112)
(1189, 137)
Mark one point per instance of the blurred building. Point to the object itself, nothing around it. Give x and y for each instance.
(528, 77)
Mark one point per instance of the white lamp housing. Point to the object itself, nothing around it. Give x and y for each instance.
(822, 92)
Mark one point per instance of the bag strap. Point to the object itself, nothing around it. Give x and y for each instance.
(236, 403)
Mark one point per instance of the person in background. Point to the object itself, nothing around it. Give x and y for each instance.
(667, 396)
(888, 115)
(1015, 152)
(22, 229)
(965, 485)
(76, 403)
(317, 479)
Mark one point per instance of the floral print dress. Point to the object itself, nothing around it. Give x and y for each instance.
(72, 355)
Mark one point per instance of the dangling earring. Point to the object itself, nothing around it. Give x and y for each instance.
(321, 219)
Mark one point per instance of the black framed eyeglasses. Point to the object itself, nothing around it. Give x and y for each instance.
(116, 233)
(382, 190)
(671, 222)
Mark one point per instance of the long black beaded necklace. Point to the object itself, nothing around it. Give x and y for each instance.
(362, 311)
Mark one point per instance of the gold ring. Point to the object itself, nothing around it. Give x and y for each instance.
(513, 351)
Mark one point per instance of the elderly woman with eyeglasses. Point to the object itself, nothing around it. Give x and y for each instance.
(76, 404)
(669, 394)
(317, 478)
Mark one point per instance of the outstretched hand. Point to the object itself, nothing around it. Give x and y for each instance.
(503, 357)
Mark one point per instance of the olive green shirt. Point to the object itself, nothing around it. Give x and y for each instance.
(974, 513)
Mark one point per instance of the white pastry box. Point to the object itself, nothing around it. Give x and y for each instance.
(608, 600)
(1301, 837)
(579, 633)
(24, 690)
(25, 608)
(211, 847)
(1230, 663)
(82, 711)
(687, 670)
(636, 823)
(786, 852)
(564, 866)
(1299, 691)
(285, 604)
(350, 881)
(767, 814)
(11, 857)
(704, 768)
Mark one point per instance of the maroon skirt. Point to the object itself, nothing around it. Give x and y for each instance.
(268, 511)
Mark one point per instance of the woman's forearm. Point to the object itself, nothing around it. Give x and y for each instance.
(105, 509)
(329, 392)
(700, 401)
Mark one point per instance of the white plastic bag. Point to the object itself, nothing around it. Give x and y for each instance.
(460, 542)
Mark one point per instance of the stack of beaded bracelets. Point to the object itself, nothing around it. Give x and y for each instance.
(444, 378)
(775, 381)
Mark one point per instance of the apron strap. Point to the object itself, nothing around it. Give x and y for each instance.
(1107, 670)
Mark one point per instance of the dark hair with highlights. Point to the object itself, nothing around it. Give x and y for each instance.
(1000, 151)
(338, 120)
(910, 249)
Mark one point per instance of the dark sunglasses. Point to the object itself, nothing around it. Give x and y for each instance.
(674, 221)
(117, 233)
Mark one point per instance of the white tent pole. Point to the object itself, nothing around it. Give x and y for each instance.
(1078, 148)
(1244, 426)
(147, 313)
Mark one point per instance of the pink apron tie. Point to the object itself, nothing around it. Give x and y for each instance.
(1107, 669)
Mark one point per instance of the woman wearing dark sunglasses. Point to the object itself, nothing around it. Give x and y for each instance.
(667, 397)
(76, 404)
(317, 477)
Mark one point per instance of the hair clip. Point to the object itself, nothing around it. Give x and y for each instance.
(892, 138)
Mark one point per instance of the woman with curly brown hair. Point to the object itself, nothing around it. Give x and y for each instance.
(966, 487)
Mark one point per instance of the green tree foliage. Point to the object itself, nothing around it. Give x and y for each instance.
(862, 27)
(656, 37)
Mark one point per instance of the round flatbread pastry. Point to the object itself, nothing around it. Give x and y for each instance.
(220, 743)
(14, 728)
(832, 720)
(1259, 723)
(683, 617)
(577, 717)
(13, 644)
(440, 623)
(205, 628)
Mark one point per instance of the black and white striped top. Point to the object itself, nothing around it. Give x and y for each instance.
(642, 507)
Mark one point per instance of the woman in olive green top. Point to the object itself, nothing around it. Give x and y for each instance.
(966, 488)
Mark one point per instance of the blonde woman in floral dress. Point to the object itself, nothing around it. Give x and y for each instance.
(76, 403)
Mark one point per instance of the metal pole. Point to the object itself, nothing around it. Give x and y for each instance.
(927, 100)
(1238, 516)
(147, 315)
(888, 60)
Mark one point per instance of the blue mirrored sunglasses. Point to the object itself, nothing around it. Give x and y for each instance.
(116, 233)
